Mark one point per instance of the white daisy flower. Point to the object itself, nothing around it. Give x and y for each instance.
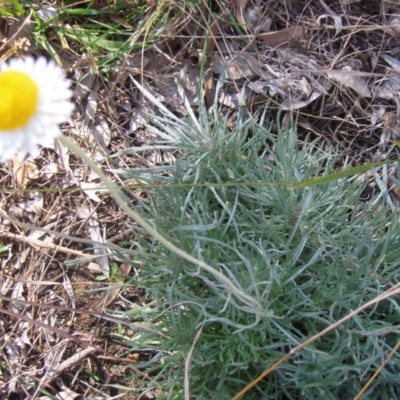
(34, 100)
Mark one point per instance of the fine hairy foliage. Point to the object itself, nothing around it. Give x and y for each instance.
(307, 256)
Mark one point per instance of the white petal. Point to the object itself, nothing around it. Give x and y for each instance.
(54, 107)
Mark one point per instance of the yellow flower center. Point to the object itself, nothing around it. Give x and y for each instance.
(19, 99)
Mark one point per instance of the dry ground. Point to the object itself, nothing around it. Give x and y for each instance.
(335, 67)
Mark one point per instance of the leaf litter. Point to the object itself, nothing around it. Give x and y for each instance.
(335, 66)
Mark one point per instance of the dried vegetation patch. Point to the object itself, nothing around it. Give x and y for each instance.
(333, 66)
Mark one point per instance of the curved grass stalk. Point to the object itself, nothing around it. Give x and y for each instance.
(240, 295)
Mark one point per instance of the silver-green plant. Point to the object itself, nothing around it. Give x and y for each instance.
(307, 255)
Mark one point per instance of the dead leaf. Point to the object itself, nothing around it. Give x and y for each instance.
(234, 100)
(234, 69)
(94, 268)
(16, 212)
(357, 83)
(132, 65)
(393, 62)
(377, 115)
(303, 61)
(63, 155)
(100, 251)
(24, 171)
(189, 78)
(52, 360)
(239, 14)
(337, 20)
(17, 294)
(36, 205)
(84, 83)
(49, 170)
(90, 190)
(35, 235)
(275, 39)
(394, 24)
(69, 289)
(389, 89)
(19, 37)
(91, 106)
(296, 104)
(66, 394)
(83, 212)
(138, 118)
(252, 15)
(102, 134)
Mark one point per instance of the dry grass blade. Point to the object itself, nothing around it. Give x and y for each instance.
(60, 235)
(378, 371)
(44, 245)
(187, 363)
(395, 290)
(76, 358)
